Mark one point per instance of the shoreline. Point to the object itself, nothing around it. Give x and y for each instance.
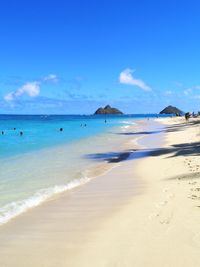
(58, 218)
(145, 212)
(93, 169)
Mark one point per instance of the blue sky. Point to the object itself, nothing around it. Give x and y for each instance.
(70, 57)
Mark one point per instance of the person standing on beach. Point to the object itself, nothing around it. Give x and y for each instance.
(187, 115)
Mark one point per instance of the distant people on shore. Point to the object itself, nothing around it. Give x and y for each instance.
(188, 115)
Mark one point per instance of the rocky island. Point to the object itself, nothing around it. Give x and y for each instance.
(172, 110)
(107, 110)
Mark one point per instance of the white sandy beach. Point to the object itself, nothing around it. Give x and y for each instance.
(144, 212)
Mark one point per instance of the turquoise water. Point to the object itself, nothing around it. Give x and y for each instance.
(43, 131)
(40, 131)
(45, 161)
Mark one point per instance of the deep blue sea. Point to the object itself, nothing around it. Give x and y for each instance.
(44, 161)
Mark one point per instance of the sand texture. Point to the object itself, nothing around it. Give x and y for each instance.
(145, 212)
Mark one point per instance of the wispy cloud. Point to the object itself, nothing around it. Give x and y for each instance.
(193, 89)
(31, 89)
(78, 96)
(51, 78)
(126, 77)
(10, 96)
(187, 91)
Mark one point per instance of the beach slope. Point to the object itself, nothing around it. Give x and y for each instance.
(117, 220)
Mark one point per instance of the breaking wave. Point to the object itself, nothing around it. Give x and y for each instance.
(13, 209)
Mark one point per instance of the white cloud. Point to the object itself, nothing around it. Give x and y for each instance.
(51, 78)
(31, 89)
(126, 77)
(9, 96)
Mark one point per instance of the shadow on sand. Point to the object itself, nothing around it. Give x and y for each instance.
(141, 133)
(171, 128)
(184, 149)
(187, 176)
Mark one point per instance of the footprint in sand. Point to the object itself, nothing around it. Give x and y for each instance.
(160, 207)
(192, 183)
(195, 197)
(167, 220)
(170, 196)
(197, 189)
(153, 215)
(163, 203)
(165, 190)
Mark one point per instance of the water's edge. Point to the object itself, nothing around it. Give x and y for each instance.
(14, 209)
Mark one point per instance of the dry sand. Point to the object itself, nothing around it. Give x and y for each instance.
(145, 212)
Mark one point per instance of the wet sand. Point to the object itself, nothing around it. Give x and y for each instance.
(144, 212)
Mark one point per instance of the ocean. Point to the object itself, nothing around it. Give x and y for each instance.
(53, 154)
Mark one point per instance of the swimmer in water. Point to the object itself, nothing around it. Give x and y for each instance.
(21, 133)
(61, 129)
(2, 132)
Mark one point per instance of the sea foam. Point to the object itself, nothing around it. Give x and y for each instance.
(14, 209)
(128, 122)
